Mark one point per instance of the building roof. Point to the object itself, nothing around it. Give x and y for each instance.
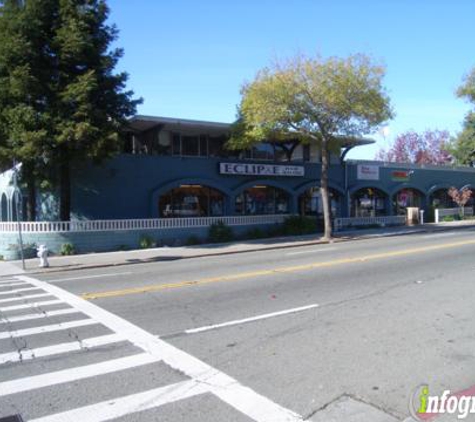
(143, 123)
(140, 123)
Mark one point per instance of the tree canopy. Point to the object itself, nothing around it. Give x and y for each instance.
(463, 146)
(316, 100)
(60, 99)
(430, 147)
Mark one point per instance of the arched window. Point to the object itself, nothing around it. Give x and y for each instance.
(407, 198)
(17, 206)
(441, 199)
(368, 202)
(262, 199)
(4, 208)
(191, 201)
(310, 202)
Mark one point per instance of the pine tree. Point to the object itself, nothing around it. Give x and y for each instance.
(60, 98)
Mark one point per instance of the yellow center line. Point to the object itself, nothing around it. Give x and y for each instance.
(244, 275)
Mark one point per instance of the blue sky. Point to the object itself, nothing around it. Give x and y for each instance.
(189, 59)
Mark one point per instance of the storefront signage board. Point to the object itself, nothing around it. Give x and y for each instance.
(367, 172)
(246, 169)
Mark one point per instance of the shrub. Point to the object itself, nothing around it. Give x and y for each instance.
(297, 225)
(255, 233)
(146, 242)
(123, 248)
(193, 240)
(448, 218)
(220, 232)
(67, 249)
(29, 249)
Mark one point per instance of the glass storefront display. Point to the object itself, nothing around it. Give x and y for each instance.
(441, 199)
(262, 200)
(368, 202)
(191, 201)
(406, 198)
(310, 202)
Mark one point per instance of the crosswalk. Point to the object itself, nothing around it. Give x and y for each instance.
(63, 358)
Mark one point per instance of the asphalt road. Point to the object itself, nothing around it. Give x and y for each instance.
(272, 336)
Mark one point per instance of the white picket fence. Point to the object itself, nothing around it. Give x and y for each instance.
(137, 224)
(445, 212)
(392, 220)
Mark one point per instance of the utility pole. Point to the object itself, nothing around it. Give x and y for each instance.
(16, 200)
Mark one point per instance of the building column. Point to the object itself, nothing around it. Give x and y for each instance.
(389, 205)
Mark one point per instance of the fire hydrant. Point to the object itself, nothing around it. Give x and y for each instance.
(43, 255)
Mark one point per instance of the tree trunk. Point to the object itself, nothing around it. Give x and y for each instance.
(64, 191)
(31, 193)
(327, 234)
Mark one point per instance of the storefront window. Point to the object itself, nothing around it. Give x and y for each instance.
(441, 199)
(262, 200)
(368, 202)
(406, 198)
(191, 201)
(203, 145)
(261, 151)
(164, 144)
(311, 202)
(216, 146)
(176, 144)
(189, 145)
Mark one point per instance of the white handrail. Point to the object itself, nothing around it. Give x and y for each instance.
(444, 212)
(391, 220)
(137, 224)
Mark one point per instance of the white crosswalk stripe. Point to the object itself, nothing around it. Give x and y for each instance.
(38, 315)
(46, 328)
(22, 290)
(123, 406)
(74, 374)
(202, 378)
(13, 283)
(7, 280)
(30, 305)
(17, 298)
(61, 348)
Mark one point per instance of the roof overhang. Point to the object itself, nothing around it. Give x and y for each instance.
(141, 123)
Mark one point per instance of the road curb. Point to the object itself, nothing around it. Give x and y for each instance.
(250, 250)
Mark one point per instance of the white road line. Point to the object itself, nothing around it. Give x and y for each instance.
(24, 289)
(122, 406)
(310, 252)
(228, 389)
(30, 305)
(251, 319)
(87, 277)
(61, 348)
(12, 299)
(20, 385)
(47, 328)
(44, 314)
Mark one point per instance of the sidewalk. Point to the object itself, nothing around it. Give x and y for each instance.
(108, 259)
